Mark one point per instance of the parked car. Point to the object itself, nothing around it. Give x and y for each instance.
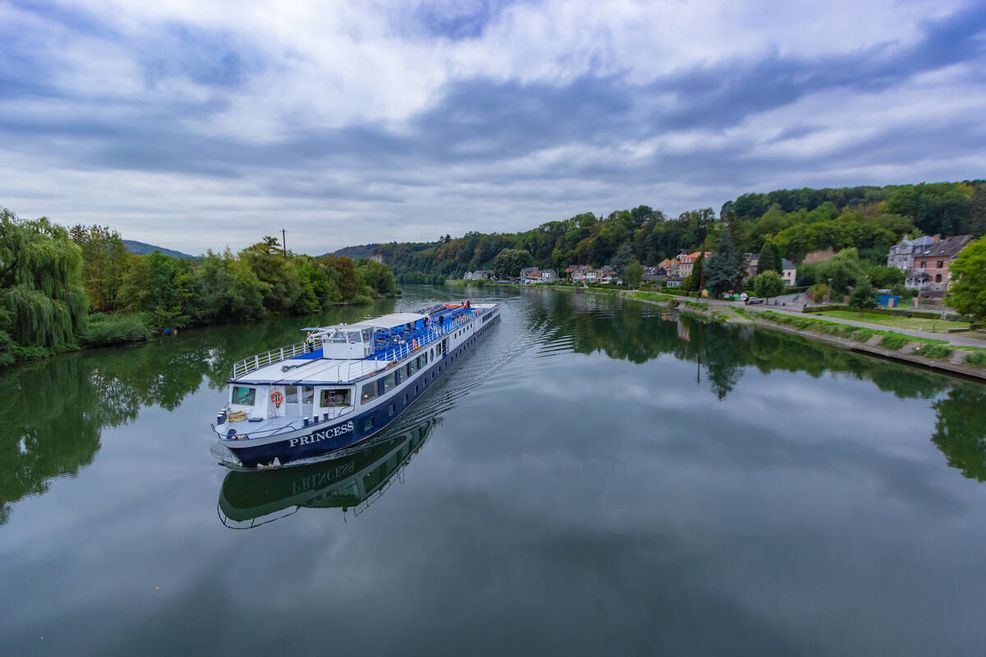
(752, 300)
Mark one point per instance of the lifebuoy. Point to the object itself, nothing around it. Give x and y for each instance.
(277, 398)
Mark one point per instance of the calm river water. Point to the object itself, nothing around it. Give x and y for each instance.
(593, 479)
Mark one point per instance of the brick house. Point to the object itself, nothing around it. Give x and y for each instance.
(929, 273)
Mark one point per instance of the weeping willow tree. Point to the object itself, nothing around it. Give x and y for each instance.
(43, 304)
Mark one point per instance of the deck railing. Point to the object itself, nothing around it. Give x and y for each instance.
(255, 362)
(389, 354)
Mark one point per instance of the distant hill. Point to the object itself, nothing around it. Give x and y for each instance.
(142, 248)
(356, 252)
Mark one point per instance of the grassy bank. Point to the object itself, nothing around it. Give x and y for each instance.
(898, 321)
(917, 346)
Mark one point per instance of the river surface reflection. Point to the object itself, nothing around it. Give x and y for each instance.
(594, 478)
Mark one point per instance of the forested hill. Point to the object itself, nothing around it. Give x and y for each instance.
(796, 221)
(143, 248)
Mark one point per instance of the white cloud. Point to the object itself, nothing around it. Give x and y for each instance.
(133, 123)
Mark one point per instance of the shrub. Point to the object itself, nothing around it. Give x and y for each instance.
(894, 341)
(929, 350)
(862, 296)
(104, 330)
(767, 284)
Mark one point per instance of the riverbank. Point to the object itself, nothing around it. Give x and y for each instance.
(111, 330)
(942, 353)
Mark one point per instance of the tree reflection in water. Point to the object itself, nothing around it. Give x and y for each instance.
(53, 412)
(638, 333)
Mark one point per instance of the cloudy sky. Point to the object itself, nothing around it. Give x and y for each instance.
(194, 124)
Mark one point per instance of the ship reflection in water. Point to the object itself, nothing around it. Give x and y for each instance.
(349, 482)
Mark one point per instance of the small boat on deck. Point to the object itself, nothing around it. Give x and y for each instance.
(343, 385)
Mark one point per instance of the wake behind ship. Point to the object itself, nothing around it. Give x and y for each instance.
(341, 386)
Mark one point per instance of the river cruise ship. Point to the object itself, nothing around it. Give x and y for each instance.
(342, 385)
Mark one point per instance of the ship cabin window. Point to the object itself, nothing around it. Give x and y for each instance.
(397, 376)
(308, 395)
(243, 395)
(368, 392)
(412, 367)
(389, 382)
(349, 336)
(335, 397)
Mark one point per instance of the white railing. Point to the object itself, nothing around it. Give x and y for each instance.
(396, 353)
(257, 361)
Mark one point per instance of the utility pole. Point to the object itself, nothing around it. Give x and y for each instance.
(284, 243)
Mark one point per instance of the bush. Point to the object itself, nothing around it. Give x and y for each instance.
(104, 330)
(894, 341)
(930, 350)
(862, 296)
(976, 359)
(818, 291)
(767, 284)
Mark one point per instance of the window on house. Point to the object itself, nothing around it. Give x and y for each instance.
(938, 278)
(941, 263)
(924, 263)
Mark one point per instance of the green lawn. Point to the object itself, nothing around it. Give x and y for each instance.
(913, 323)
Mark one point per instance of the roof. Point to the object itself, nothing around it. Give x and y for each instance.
(787, 264)
(321, 371)
(693, 256)
(947, 248)
(389, 321)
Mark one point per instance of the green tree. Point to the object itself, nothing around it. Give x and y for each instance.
(161, 287)
(104, 264)
(769, 259)
(767, 284)
(633, 274)
(509, 262)
(967, 290)
(843, 270)
(882, 276)
(226, 290)
(724, 270)
(284, 289)
(377, 276)
(43, 305)
(862, 296)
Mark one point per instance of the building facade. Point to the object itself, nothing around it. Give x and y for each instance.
(901, 255)
(930, 267)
